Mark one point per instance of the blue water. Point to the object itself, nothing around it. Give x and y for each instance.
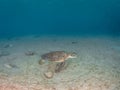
(59, 17)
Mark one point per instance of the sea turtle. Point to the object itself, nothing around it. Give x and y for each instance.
(57, 61)
(56, 56)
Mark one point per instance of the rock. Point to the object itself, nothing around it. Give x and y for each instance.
(8, 65)
(8, 45)
(74, 42)
(4, 53)
(30, 53)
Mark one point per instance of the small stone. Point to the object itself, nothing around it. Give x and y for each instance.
(4, 53)
(30, 53)
(8, 65)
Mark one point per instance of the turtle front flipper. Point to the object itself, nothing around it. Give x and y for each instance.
(42, 61)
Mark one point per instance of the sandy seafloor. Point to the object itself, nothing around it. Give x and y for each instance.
(97, 66)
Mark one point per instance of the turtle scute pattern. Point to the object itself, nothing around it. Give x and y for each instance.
(57, 56)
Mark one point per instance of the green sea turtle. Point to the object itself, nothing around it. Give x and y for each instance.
(57, 61)
(56, 56)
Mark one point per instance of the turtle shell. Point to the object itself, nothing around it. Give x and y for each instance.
(58, 56)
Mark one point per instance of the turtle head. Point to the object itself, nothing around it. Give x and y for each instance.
(72, 55)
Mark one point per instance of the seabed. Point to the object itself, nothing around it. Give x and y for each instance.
(97, 66)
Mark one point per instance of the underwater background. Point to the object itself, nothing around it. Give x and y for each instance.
(79, 40)
(59, 17)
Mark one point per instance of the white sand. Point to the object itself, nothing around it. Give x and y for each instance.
(97, 66)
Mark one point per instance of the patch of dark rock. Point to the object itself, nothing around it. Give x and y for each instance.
(4, 53)
(8, 45)
(74, 42)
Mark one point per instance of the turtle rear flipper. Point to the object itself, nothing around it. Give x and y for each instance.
(49, 74)
(61, 66)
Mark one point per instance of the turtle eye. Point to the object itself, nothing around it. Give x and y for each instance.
(73, 54)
